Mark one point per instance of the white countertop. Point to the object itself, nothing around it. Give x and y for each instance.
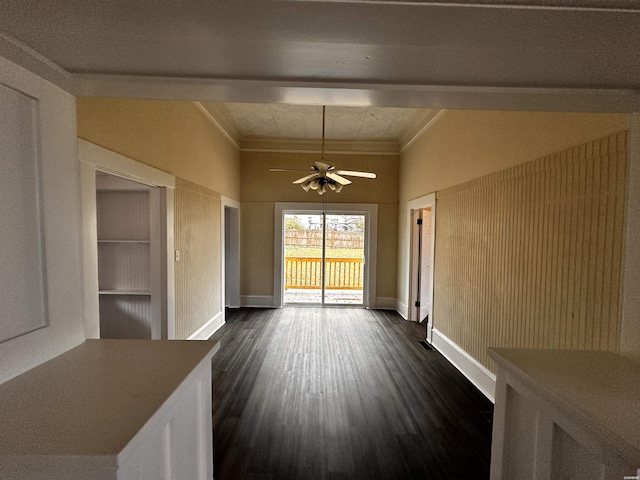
(92, 400)
(600, 390)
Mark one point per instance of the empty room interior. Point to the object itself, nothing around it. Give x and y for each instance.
(320, 239)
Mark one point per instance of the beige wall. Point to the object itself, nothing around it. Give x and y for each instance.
(197, 274)
(530, 257)
(467, 144)
(172, 136)
(177, 138)
(261, 189)
(464, 145)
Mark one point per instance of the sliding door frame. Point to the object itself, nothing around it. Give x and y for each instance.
(370, 247)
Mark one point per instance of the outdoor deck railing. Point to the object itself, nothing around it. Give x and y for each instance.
(341, 273)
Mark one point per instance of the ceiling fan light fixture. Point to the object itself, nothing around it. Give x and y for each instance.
(323, 174)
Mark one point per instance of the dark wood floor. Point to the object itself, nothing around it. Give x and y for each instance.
(311, 393)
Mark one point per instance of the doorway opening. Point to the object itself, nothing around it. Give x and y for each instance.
(324, 258)
(231, 254)
(422, 250)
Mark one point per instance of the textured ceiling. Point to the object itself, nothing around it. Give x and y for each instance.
(305, 121)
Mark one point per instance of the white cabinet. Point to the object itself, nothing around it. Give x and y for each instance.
(565, 415)
(111, 410)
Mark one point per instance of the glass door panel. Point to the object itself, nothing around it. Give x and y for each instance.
(303, 246)
(344, 259)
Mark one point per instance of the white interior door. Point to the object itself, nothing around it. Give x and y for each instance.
(426, 266)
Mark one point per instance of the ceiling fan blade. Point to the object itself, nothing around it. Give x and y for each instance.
(304, 179)
(338, 178)
(356, 174)
(288, 170)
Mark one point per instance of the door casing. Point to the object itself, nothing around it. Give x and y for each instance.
(427, 201)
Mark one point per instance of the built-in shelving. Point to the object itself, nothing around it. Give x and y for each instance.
(123, 210)
(124, 241)
(125, 292)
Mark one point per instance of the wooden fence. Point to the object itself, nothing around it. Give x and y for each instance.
(341, 273)
(313, 238)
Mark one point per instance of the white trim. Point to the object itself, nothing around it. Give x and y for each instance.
(297, 145)
(432, 121)
(327, 152)
(314, 92)
(96, 158)
(224, 203)
(385, 303)
(402, 309)
(27, 58)
(209, 328)
(257, 301)
(112, 162)
(370, 246)
(478, 374)
(216, 124)
(169, 198)
(89, 239)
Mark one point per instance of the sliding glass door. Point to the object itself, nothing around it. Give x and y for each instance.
(324, 258)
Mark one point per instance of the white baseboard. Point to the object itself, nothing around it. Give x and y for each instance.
(477, 373)
(209, 328)
(402, 309)
(260, 301)
(385, 303)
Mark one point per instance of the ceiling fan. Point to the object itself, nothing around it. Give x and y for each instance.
(324, 175)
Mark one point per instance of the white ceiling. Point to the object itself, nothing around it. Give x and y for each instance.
(499, 54)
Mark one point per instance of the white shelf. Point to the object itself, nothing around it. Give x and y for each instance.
(125, 292)
(124, 241)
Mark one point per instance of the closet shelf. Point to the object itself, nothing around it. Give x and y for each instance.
(124, 241)
(125, 292)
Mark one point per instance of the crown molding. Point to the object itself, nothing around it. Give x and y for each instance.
(26, 57)
(227, 129)
(294, 145)
(568, 5)
(429, 120)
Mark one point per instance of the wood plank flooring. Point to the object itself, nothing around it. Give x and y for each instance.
(338, 393)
